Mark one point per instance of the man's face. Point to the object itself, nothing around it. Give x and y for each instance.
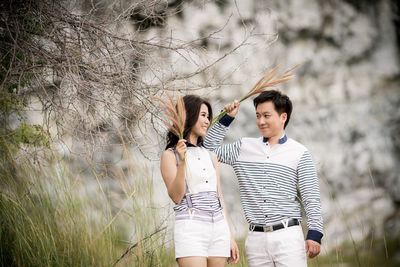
(269, 122)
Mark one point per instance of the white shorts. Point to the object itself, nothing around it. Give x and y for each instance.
(202, 239)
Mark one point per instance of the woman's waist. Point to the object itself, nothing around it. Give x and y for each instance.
(206, 201)
(199, 215)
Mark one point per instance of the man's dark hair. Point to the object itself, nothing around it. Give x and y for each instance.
(281, 102)
(192, 106)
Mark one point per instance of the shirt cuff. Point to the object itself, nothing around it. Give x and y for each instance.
(226, 120)
(314, 235)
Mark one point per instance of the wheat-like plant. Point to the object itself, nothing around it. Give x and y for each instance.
(175, 114)
(269, 79)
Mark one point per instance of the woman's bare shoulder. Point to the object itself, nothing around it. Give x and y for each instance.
(168, 155)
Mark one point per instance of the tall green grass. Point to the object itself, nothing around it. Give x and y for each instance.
(48, 217)
(343, 256)
(44, 223)
(53, 215)
(371, 253)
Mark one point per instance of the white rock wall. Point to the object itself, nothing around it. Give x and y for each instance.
(345, 95)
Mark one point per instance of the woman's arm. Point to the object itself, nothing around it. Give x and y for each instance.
(173, 174)
(234, 248)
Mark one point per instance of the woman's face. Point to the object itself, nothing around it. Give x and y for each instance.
(203, 122)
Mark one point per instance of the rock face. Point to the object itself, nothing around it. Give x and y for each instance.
(346, 94)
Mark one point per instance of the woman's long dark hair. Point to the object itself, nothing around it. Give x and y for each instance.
(192, 105)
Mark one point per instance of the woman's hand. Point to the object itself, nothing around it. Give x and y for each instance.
(234, 258)
(181, 149)
(232, 108)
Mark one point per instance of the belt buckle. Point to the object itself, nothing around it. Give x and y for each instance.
(268, 228)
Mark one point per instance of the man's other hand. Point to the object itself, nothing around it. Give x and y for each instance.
(312, 248)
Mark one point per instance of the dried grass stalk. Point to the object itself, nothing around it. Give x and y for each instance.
(268, 80)
(175, 114)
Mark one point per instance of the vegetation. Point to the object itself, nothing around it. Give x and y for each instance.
(85, 75)
(49, 218)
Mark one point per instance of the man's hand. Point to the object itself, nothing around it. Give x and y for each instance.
(312, 248)
(232, 108)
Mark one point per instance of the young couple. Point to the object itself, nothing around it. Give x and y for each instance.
(270, 169)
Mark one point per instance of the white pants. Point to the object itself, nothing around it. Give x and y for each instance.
(281, 248)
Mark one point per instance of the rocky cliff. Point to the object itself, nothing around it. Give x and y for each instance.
(346, 92)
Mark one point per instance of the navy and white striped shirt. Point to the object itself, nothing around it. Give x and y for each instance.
(269, 178)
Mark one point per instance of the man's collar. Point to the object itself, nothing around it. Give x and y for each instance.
(282, 140)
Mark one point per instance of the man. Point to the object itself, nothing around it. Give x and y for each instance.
(271, 171)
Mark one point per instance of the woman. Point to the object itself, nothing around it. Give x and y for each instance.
(191, 175)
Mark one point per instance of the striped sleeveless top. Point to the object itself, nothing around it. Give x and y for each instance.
(201, 182)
